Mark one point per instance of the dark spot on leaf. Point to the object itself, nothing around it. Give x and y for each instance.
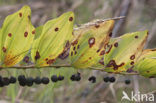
(33, 32)
(75, 52)
(90, 57)
(20, 14)
(132, 57)
(74, 48)
(130, 70)
(4, 49)
(9, 34)
(102, 52)
(98, 50)
(97, 26)
(37, 55)
(91, 41)
(113, 64)
(132, 63)
(26, 59)
(56, 29)
(78, 46)
(28, 16)
(74, 42)
(26, 34)
(116, 44)
(147, 71)
(101, 61)
(136, 36)
(109, 49)
(72, 53)
(110, 35)
(70, 18)
(46, 59)
(50, 61)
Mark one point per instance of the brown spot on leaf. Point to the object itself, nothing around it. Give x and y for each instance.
(116, 44)
(9, 34)
(78, 46)
(37, 55)
(101, 61)
(136, 36)
(50, 61)
(147, 71)
(110, 35)
(56, 29)
(26, 34)
(4, 49)
(46, 59)
(28, 16)
(98, 50)
(109, 49)
(74, 42)
(26, 59)
(102, 52)
(20, 14)
(70, 18)
(113, 64)
(75, 52)
(132, 57)
(33, 32)
(72, 53)
(97, 26)
(90, 57)
(74, 48)
(91, 41)
(132, 63)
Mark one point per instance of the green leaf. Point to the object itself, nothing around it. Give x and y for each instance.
(55, 35)
(16, 37)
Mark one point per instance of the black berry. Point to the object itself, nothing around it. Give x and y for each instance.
(5, 81)
(22, 83)
(29, 81)
(72, 77)
(12, 79)
(112, 79)
(54, 78)
(127, 81)
(60, 78)
(21, 78)
(37, 80)
(45, 80)
(92, 79)
(106, 79)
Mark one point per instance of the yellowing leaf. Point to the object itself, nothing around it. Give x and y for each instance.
(53, 39)
(122, 52)
(89, 44)
(146, 64)
(16, 37)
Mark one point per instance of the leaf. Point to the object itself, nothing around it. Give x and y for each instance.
(54, 37)
(146, 65)
(122, 52)
(88, 47)
(16, 37)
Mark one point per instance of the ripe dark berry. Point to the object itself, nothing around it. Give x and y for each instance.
(60, 78)
(37, 80)
(5, 81)
(45, 80)
(92, 79)
(21, 78)
(12, 79)
(112, 79)
(77, 77)
(106, 79)
(72, 77)
(22, 83)
(127, 81)
(54, 78)
(1, 82)
(29, 81)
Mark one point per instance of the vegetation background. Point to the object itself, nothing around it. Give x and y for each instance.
(140, 15)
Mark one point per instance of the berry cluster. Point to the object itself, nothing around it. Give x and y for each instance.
(109, 79)
(55, 78)
(127, 81)
(23, 81)
(5, 81)
(76, 77)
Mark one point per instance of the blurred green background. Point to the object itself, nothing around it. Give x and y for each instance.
(140, 15)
